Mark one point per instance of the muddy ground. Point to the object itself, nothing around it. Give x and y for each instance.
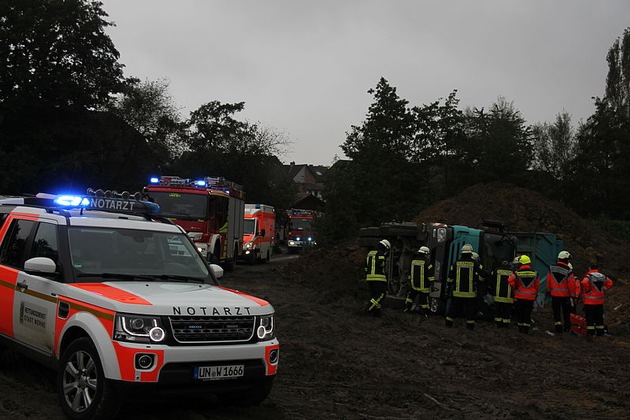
(337, 363)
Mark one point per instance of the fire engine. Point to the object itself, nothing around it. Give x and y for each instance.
(120, 302)
(210, 209)
(300, 232)
(259, 232)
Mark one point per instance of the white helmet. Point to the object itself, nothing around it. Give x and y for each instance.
(564, 255)
(475, 256)
(385, 243)
(467, 249)
(424, 250)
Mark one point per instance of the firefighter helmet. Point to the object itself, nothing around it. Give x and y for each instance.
(475, 256)
(524, 259)
(424, 250)
(467, 249)
(385, 243)
(564, 255)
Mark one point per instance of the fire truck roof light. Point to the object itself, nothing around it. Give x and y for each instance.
(154, 180)
(200, 183)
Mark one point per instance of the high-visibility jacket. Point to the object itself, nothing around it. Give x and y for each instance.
(594, 286)
(463, 278)
(525, 283)
(421, 275)
(560, 280)
(375, 266)
(501, 289)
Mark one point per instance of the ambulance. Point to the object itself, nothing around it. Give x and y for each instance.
(259, 233)
(121, 303)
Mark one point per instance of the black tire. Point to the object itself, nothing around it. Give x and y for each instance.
(82, 389)
(255, 395)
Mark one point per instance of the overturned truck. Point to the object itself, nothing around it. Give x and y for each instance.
(494, 244)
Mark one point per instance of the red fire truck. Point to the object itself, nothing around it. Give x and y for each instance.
(210, 210)
(300, 232)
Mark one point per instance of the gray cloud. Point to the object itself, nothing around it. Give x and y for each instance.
(304, 67)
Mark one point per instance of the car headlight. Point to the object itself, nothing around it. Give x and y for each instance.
(248, 245)
(266, 329)
(138, 329)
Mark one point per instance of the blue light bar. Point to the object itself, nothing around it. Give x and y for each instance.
(200, 183)
(154, 180)
(71, 201)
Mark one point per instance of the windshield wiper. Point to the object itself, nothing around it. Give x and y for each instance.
(181, 278)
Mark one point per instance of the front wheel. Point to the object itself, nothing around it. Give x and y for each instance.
(82, 389)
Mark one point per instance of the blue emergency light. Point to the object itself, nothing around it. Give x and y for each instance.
(200, 183)
(71, 201)
(154, 180)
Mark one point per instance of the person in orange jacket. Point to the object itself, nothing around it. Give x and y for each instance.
(560, 285)
(525, 283)
(594, 286)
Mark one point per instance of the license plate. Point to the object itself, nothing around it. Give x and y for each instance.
(213, 373)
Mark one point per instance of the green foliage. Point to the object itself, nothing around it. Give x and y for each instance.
(148, 108)
(56, 53)
(620, 229)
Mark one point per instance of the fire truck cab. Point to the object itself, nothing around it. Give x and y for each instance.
(210, 210)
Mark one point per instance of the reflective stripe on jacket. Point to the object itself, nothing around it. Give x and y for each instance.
(375, 266)
(465, 275)
(525, 283)
(560, 280)
(502, 291)
(421, 275)
(594, 286)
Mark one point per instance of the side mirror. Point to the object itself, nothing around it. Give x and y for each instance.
(217, 270)
(40, 265)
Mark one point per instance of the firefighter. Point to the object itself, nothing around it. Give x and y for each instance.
(421, 276)
(464, 277)
(594, 286)
(376, 277)
(560, 286)
(502, 294)
(525, 283)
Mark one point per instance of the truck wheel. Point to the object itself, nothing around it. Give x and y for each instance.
(82, 389)
(252, 396)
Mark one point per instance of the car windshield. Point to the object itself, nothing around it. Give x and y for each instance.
(182, 206)
(249, 226)
(134, 254)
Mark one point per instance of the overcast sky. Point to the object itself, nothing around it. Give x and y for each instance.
(303, 67)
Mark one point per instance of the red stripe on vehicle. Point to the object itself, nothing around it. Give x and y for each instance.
(113, 293)
(260, 302)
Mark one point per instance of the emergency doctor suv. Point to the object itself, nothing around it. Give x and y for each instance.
(120, 302)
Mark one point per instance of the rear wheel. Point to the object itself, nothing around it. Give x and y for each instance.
(83, 390)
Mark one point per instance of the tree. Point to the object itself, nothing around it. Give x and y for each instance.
(554, 146)
(498, 143)
(220, 145)
(603, 146)
(149, 108)
(385, 179)
(56, 53)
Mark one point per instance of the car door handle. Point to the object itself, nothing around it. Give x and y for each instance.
(22, 286)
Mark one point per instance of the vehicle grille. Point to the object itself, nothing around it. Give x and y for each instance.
(212, 329)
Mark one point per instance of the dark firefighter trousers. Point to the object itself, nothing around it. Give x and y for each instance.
(523, 311)
(594, 315)
(466, 305)
(561, 308)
